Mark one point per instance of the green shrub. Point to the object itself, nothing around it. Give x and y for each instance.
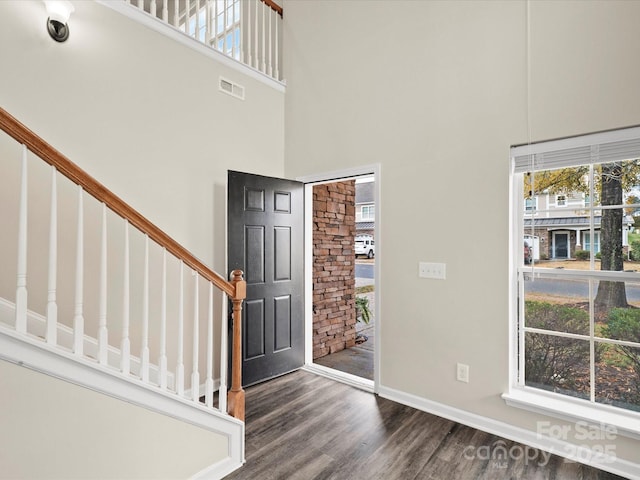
(624, 324)
(583, 254)
(363, 312)
(553, 362)
(634, 253)
(598, 255)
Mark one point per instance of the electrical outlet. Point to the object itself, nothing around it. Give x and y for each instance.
(432, 270)
(462, 372)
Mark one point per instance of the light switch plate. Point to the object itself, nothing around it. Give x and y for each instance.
(432, 270)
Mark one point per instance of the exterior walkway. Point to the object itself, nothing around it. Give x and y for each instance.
(356, 360)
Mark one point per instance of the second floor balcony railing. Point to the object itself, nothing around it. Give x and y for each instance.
(249, 31)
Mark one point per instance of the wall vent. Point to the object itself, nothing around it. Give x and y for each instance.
(233, 89)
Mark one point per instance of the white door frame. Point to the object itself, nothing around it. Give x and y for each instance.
(330, 177)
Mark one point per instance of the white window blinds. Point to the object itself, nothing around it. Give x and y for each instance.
(594, 148)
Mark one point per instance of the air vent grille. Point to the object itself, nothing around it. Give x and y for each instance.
(231, 88)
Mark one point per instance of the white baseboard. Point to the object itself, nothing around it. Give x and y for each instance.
(218, 470)
(342, 377)
(573, 452)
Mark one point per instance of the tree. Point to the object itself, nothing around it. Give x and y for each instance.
(611, 294)
(610, 181)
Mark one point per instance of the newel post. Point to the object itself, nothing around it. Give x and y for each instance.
(236, 394)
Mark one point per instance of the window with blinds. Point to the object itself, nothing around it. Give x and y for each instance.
(577, 303)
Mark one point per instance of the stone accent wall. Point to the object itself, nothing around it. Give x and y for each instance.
(334, 318)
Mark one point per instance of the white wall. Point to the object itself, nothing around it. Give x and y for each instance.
(72, 432)
(436, 92)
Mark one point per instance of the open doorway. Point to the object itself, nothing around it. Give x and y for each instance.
(342, 325)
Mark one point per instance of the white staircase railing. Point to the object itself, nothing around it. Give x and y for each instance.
(249, 31)
(106, 287)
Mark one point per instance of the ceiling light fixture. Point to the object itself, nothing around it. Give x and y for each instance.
(59, 12)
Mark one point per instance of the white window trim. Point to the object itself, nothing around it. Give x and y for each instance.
(627, 422)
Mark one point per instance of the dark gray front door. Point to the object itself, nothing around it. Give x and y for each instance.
(265, 240)
(561, 243)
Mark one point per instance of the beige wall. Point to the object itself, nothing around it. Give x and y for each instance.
(436, 92)
(144, 116)
(71, 432)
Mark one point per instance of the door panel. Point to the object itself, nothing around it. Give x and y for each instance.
(265, 240)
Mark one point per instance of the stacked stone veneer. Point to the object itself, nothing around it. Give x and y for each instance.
(334, 227)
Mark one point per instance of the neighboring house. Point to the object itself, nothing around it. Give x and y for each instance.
(557, 225)
(365, 207)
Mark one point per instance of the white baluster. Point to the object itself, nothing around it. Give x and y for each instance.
(263, 67)
(165, 11)
(207, 37)
(78, 318)
(197, 15)
(224, 336)
(249, 55)
(224, 27)
(270, 37)
(208, 386)
(103, 335)
(52, 307)
(195, 376)
(163, 324)
(241, 55)
(21, 283)
(255, 35)
(233, 29)
(180, 366)
(187, 13)
(144, 360)
(176, 14)
(141, 4)
(152, 8)
(125, 347)
(215, 24)
(277, 45)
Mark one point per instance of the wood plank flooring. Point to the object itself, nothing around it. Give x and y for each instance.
(305, 427)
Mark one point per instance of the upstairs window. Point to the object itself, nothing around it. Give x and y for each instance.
(368, 213)
(577, 328)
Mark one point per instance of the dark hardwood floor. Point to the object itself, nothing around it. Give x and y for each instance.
(303, 426)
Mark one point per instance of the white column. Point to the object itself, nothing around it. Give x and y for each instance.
(52, 307)
(21, 282)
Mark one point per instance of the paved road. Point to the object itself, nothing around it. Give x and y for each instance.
(364, 270)
(573, 288)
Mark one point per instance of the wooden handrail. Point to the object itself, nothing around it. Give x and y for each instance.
(46, 152)
(273, 5)
(235, 289)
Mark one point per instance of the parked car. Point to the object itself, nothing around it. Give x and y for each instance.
(528, 254)
(365, 245)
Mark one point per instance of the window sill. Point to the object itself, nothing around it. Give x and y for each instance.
(574, 410)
